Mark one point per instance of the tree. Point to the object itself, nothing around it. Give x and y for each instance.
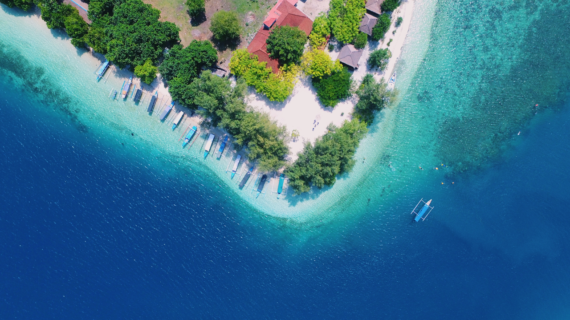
(95, 38)
(135, 34)
(54, 13)
(196, 8)
(321, 30)
(225, 26)
(361, 40)
(22, 4)
(345, 17)
(399, 21)
(381, 27)
(147, 72)
(286, 44)
(379, 58)
(373, 96)
(331, 89)
(76, 28)
(390, 5)
(318, 64)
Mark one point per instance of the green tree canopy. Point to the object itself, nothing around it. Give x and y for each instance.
(196, 8)
(331, 155)
(318, 64)
(345, 17)
(22, 4)
(372, 96)
(54, 13)
(147, 72)
(331, 89)
(76, 27)
(135, 35)
(286, 44)
(361, 40)
(390, 5)
(379, 58)
(321, 30)
(182, 65)
(381, 27)
(225, 26)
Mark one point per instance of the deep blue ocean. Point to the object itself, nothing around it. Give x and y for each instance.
(92, 229)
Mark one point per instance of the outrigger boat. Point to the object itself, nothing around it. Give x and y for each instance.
(236, 164)
(261, 185)
(245, 178)
(280, 187)
(222, 146)
(101, 72)
(126, 87)
(166, 111)
(392, 81)
(189, 136)
(208, 145)
(113, 94)
(152, 102)
(177, 119)
(423, 210)
(138, 95)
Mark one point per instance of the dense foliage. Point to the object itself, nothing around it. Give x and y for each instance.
(345, 17)
(333, 88)
(257, 74)
(196, 8)
(321, 30)
(147, 72)
(361, 40)
(389, 5)
(182, 65)
(54, 13)
(225, 26)
(286, 44)
(373, 96)
(225, 107)
(379, 58)
(22, 4)
(134, 34)
(332, 154)
(381, 27)
(317, 64)
(76, 28)
(399, 21)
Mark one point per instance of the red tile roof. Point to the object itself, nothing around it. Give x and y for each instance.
(283, 14)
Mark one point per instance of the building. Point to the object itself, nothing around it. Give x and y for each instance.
(368, 23)
(284, 13)
(373, 7)
(350, 56)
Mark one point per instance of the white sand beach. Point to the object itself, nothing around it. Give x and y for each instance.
(303, 112)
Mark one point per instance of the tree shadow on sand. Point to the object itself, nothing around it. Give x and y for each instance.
(197, 20)
(223, 45)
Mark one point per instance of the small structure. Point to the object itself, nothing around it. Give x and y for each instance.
(373, 6)
(284, 13)
(368, 23)
(350, 56)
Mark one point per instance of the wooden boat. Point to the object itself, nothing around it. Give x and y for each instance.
(138, 95)
(152, 102)
(223, 146)
(189, 136)
(423, 210)
(392, 81)
(101, 71)
(236, 165)
(126, 87)
(245, 178)
(261, 184)
(177, 119)
(208, 145)
(113, 94)
(280, 187)
(166, 111)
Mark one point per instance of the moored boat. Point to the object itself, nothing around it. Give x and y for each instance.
(138, 95)
(189, 136)
(236, 165)
(280, 187)
(223, 146)
(392, 81)
(177, 119)
(208, 145)
(101, 71)
(423, 211)
(166, 111)
(152, 102)
(261, 184)
(126, 87)
(245, 178)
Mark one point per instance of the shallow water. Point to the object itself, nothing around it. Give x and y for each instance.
(98, 223)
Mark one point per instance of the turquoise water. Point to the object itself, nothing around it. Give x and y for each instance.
(103, 215)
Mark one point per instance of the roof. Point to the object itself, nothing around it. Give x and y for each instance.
(367, 23)
(374, 6)
(284, 13)
(350, 56)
